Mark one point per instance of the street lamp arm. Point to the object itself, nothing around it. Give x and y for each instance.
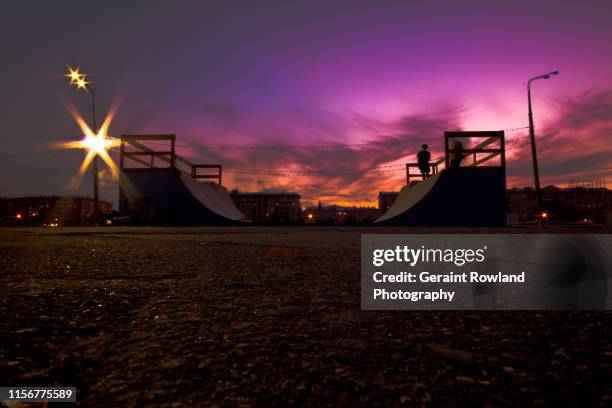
(544, 76)
(536, 78)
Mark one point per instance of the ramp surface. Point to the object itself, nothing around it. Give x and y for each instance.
(409, 196)
(167, 197)
(465, 196)
(212, 196)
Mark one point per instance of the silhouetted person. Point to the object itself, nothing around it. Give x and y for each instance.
(457, 156)
(423, 161)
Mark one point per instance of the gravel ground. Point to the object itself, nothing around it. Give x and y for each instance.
(267, 317)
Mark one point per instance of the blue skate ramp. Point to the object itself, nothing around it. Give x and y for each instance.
(167, 197)
(464, 196)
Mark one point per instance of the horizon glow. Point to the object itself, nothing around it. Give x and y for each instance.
(323, 73)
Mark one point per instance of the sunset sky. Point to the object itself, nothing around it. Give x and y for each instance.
(252, 74)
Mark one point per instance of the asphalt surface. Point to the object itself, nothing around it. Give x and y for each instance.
(267, 317)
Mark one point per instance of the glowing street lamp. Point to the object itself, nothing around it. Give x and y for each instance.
(534, 157)
(81, 83)
(74, 75)
(95, 142)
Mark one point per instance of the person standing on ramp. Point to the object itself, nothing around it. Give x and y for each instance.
(423, 161)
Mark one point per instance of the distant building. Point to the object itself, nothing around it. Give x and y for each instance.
(386, 200)
(268, 208)
(608, 218)
(50, 210)
(335, 215)
(3, 209)
(588, 205)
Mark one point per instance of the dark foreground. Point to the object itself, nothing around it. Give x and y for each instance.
(243, 317)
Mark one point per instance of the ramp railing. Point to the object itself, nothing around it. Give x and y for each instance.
(217, 176)
(143, 154)
(135, 149)
(457, 155)
(433, 169)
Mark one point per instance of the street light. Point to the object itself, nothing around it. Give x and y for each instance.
(534, 157)
(79, 80)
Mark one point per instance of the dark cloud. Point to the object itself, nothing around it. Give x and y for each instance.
(574, 145)
(584, 110)
(221, 113)
(341, 172)
(577, 144)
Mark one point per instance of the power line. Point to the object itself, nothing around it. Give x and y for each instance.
(316, 171)
(378, 169)
(274, 147)
(310, 173)
(516, 129)
(8, 156)
(514, 143)
(196, 145)
(408, 140)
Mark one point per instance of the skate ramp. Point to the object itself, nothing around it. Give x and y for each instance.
(409, 196)
(465, 196)
(212, 196)
(167, 197)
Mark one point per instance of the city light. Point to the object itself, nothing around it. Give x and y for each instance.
(95, 144)
(77, 78)
(81, 83)
(74, 75)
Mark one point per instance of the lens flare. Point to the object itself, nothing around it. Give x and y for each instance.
(73, 74)
(95, 144)
(77, 78)
(81, 83)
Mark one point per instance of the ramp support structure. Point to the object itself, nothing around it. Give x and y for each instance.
(433, 169)
(469, 191)
(495, 138)
(147, 158)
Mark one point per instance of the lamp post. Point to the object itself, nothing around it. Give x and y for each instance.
(79, 80)
(534, 157)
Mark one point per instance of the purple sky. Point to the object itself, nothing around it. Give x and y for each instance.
(302, 73)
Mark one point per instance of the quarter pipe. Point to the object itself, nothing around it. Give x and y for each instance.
(167, 197)
(464, 196)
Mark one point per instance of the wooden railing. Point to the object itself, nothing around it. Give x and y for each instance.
(433, 169)
(149, 158)
(475, 153)
(145, 151)
(217, 176)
